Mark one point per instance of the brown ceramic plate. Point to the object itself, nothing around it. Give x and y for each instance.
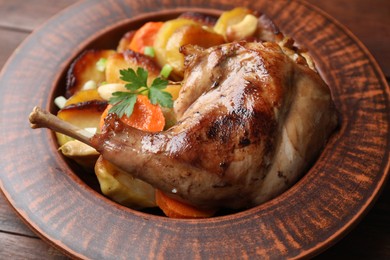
(58, 204)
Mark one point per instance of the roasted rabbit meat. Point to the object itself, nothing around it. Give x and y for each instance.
(251, 120)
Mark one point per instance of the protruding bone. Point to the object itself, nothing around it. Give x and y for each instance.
(40, 118)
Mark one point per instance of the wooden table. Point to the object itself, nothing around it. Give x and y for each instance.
(369, 20)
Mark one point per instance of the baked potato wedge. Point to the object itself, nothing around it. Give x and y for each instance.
(200, 18)
(236, 24)
(122, 187)
(81, 153)
(85, 115)
(84, 69)
(177, 33)
(83, 96)
(129, 59)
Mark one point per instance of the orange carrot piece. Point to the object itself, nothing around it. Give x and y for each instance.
(145, 116)
(145, 36)
(177, 209)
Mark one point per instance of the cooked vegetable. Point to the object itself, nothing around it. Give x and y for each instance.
(194, 34)
(230, 18)
(123, 102)
(163, 36)
(179, 32)
(84, 69)
(149, 51)
(129, 59)
(166, 70)
(83, 154)
(176, 209)
(199, 18)
(174, 90)
(83, 96)
(101, 64)
(60, 101)
(122, 187)
(145, 36)
(145, 115)
(105, 91)
(90, 84)
(84, 115)
(242, 30)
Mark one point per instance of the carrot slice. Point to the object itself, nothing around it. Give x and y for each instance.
(177, 209)
(145, 116)
(145, 36)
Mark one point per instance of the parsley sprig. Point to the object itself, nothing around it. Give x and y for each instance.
(123, 102)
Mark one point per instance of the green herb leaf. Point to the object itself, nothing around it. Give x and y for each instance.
(123, 102)
(159, 83)
(136, 80)
(157, 95)
(161, 97)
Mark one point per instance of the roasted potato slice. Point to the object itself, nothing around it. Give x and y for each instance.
(164, 35)
(122, 187)
(200, 18)
(179, 32)
(83, 96)
(84, 69)
(243, 30)
(83, 154)
(63, 139)
(229, 19)
(84, 115)
(129, 59)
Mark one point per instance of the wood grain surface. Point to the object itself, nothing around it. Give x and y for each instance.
(371, 237)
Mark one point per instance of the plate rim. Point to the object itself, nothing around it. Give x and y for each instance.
(331, 240)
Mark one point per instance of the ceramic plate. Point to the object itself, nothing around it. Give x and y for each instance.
(50, 195)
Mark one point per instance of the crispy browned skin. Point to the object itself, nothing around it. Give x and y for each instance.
(250, 122)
